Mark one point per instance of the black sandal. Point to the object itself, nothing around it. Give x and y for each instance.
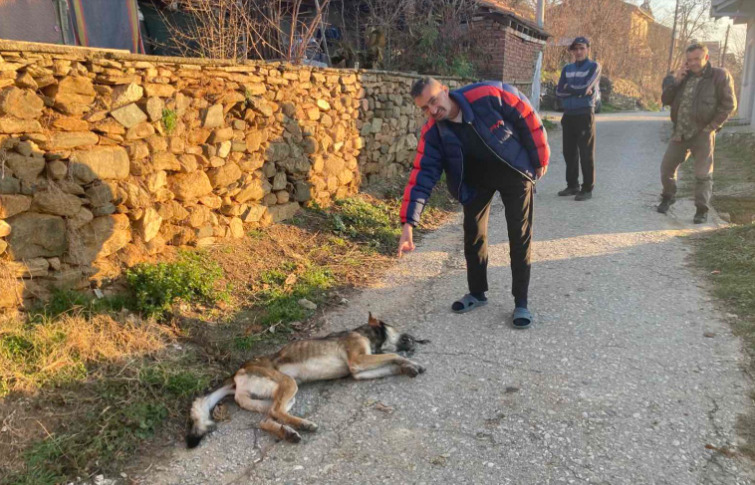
(468, 303)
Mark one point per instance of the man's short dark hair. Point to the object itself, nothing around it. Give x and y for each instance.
(696, 46)
(420, 85)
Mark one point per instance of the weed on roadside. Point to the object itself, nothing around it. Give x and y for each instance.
(279, 300)
(728, 257)
(372, 223)
(609, 108)
(115, 415)
(156, 286)
(69, 302)
(549, 124)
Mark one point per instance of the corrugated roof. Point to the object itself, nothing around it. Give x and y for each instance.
(499, 5)
(502, 8)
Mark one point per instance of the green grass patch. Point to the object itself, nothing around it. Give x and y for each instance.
(741, 210)
(654, 106)
(549, 124)
(120, 413)
(729, 257)
(374, 223)
(70, 302)
(609, 108)
(155, 287)
(170, 120)
(278, 300)
(256, 234)
(735, 169)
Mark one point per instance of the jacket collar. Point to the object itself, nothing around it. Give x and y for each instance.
(707, 70)
(467, 114)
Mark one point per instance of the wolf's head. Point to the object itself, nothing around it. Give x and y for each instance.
(387, 338)
(383, 337)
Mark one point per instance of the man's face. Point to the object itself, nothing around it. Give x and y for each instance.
(580, 52)
(434, 101)
(696, 61)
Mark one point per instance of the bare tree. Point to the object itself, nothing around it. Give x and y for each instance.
(693, 24)
(605, 22)
(243, 29)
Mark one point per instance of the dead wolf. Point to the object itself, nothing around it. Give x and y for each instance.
(268, 384)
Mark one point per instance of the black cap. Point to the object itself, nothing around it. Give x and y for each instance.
(579, 40)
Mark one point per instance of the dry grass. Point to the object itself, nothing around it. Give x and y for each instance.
(32, 355)
(11, 292)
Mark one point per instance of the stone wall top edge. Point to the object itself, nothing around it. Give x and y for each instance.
(124, 55)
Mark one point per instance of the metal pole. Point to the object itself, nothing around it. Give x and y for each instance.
(722, 62)
(535, 91)
(673, 38)
(540, 13)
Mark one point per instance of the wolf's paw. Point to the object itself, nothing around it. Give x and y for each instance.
(412, 370)
(308, 426)
(290, 435)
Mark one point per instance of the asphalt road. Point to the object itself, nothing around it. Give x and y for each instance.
(628, 372)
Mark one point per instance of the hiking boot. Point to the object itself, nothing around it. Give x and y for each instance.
(663, 207)
(569, 191)
(701, 216)
(583, 195)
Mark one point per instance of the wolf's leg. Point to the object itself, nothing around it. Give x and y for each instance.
(282, 398)
(259, 405)
(256, 405)
(280, 431)
(368, 366)
(254, 390)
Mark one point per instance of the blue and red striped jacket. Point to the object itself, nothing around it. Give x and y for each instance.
(506, 122)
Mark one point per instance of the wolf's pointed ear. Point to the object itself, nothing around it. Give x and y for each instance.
(374, 322)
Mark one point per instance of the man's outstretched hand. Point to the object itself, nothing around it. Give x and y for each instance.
(406, 243)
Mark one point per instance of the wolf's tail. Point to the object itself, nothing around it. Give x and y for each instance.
(201, 419)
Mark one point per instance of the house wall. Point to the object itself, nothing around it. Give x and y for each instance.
(31, 20)
(108, 160)
(505, 54)
(747, 92)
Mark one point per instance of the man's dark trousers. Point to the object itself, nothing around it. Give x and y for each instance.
(516, 194)
(579, 148)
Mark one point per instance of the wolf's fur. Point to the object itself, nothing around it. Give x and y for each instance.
(268, 384)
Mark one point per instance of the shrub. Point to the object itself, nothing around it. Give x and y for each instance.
(157, 286)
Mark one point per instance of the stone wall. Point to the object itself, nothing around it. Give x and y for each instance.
(108, 159)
